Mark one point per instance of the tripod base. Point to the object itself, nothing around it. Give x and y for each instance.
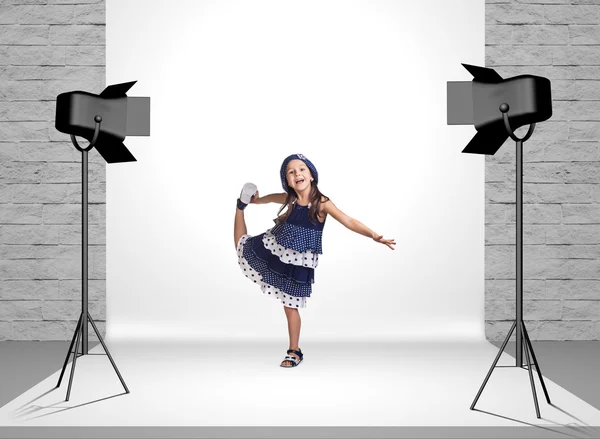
(528, 348)
(78, 331)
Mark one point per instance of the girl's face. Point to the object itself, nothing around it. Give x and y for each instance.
(298, 175)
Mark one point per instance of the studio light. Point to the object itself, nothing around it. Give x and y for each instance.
(477, 103)
(104, 120)
(486, 102)
(120, 116)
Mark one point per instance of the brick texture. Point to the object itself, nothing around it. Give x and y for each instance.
(560, 40)
(48, 47)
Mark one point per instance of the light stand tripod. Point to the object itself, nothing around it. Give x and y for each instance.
(519, 324)
(82, 325)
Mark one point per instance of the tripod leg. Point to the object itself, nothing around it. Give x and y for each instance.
(537, 408)
(69, 353)
(83, 322)
(107, 353)
(494, 364)
(537, 366)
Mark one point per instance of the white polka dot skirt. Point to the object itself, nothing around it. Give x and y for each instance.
(306, 258)
(276, 274)
(282, 260)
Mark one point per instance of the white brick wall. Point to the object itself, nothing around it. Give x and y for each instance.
(46, 48)
(558, 39)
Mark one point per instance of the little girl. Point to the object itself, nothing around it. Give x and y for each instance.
(283, 259)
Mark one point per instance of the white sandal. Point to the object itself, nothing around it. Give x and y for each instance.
(246, 195)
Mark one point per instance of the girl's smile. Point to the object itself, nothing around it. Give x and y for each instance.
(298, 175)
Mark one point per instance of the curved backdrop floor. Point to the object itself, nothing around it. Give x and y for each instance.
(207, 388)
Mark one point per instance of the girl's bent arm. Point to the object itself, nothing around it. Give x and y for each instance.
(271, 198)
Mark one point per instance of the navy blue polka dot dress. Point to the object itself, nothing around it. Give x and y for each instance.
(282, 260)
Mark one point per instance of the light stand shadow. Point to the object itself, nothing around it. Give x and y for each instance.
(37, 408)
(592, 431)
(526, 423)
(569, 414)
(35, 399)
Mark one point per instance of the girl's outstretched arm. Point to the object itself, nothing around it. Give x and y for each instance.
(271, 198)
(355, 225)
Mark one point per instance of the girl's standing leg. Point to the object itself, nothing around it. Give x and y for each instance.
(239, 227)
(294, 323)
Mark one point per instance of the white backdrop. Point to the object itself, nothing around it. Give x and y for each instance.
(359, 87)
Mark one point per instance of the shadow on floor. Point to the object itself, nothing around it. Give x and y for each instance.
(23, 364)
(573, 365)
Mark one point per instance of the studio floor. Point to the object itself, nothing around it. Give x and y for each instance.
(234, 389)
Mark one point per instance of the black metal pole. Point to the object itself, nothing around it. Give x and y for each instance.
(108, 353)
(70, 351)
(487, 377)
(85, 318)
(84, 228)
(537, 366)
(535, 401)
(74, 363)
(518, 324)
(519, 249)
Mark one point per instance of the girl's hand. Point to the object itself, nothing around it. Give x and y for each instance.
(254, 198)
(388, 242)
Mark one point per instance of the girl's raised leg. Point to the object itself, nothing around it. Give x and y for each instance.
(249, 193)
(239, 227)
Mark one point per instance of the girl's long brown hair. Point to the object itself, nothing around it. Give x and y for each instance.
(315, 203)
